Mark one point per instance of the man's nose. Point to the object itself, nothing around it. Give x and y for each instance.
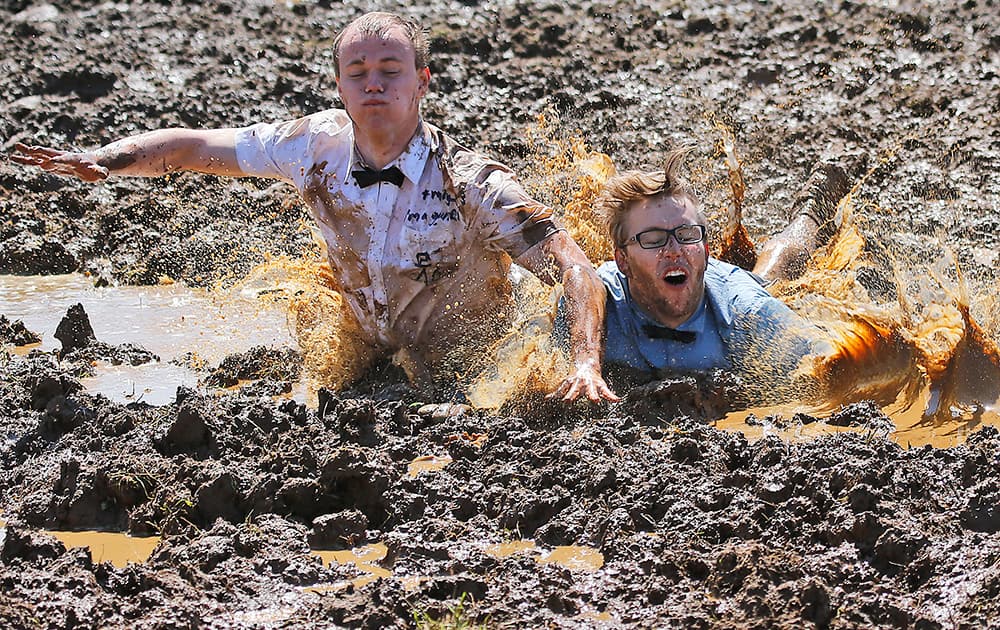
(671, 248)
(374, 83)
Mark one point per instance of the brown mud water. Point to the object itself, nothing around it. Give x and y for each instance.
(881, 352)
(118, 549)
(189, 330)
(695, 526)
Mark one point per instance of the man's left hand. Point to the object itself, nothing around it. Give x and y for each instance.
(587, 381)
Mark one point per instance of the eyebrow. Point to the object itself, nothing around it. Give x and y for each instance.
(361, 60)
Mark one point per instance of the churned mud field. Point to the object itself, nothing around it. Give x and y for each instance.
(532, 514)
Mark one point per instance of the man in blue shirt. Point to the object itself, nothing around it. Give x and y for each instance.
(671, 307)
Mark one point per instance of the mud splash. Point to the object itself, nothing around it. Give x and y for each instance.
(898, 353)
(333, 347)
(900, 346)
(736, 247)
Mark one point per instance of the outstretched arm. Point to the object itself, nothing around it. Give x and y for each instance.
(146, 155)
(559, 258)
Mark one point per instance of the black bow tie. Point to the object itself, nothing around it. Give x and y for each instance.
(366, 177)
(662, 332)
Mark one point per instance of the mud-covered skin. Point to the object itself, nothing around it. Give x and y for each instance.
(698, 528)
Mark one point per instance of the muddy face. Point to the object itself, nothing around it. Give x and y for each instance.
(379, 83)
(668, 282)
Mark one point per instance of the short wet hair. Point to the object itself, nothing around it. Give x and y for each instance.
(378, 24)
(623, 191)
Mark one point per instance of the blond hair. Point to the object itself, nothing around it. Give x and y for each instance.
(621, 192)
(378, 24)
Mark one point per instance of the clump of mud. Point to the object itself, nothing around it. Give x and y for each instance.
(81, 347)
(678, 512)
(256, 363)
(15, 333)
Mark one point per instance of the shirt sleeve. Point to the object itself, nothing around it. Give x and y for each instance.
(283, 150)
(507, 217)
(775, 339)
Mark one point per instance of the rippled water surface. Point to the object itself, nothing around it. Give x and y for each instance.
(169, 320)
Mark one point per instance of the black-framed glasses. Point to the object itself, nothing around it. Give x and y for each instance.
(655, 238)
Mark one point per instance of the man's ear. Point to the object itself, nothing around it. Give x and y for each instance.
(423, 80)
(621, 259)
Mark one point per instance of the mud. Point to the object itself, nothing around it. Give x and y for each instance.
(16, 334)
(697, 527)
(81, 347)
(259, 363)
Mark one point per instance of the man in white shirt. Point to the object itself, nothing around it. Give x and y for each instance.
(420, 231)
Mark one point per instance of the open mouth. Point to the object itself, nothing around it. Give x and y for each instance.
(675, 277)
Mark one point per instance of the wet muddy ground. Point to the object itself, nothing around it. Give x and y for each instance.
(696, 527)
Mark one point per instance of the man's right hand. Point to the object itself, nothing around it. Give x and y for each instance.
(585, 382)
(81, 165)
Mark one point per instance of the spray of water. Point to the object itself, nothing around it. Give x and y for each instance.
(885, 350)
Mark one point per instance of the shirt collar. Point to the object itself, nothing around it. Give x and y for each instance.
(411, 161)
(717, 290)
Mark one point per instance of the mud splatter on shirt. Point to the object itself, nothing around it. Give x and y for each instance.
(416, 262)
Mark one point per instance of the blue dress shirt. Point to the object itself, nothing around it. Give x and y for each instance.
(738, 326)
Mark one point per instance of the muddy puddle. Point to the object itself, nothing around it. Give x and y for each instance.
(118, 549)
(573, 557)
(177, 323)
(121, 549)
(912, 427)
(427, 464)
(202, 327)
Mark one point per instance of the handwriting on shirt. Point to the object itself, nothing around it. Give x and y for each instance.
(432, 218)
(429, 272)
(438, 195)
